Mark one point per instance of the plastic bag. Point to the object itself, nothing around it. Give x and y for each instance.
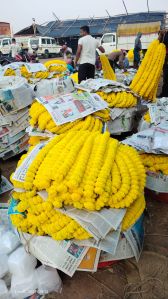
(21, 263)
(3, 265)
(22, 287)
(48, 280)
(4, 293)
(9, 242)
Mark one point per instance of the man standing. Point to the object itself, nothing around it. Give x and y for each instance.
(137, 50)
(117, 58)
(14, 48)
(86, 54)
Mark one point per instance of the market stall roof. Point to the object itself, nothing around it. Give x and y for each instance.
(98, 26)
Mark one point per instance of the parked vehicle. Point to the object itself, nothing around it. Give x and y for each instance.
(5, 45)
(124, 37)
(44, 46)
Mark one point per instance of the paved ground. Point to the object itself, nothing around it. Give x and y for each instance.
(147, 279)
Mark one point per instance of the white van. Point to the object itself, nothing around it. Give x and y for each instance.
(5, 45)
(44, 46)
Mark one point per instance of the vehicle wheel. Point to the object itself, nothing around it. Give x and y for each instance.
(46, 54)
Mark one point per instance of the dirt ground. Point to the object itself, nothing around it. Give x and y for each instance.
(128, 279)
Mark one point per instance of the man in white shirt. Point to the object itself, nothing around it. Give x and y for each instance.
(86, 54)
(15, 49)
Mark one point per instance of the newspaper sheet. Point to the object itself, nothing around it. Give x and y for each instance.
(15, 94)
(37, 132)
(73, 106)
(158, 111)
(4, 219)
(15, 148)
(5, 185)
(94, 85)
(122, 120)
(56, 86)
(20, 173)
(108, 244)
(90, 261)
(153, 140)
(14, 117)
(157, 182)
(35, 67)
(125, 78)
(63, 255)
(7, 141)
(98, 224)
(13, 130)
(130, 244)
(119, 112)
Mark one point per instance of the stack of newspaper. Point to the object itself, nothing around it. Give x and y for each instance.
(107, 245)
(15, 97)
(153, 140)
(158, 113)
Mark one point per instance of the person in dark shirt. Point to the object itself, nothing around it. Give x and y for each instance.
(137, 50)
(163, 37)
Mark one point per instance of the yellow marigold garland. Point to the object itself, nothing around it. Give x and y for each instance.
(88, 170)
(41, 118)
(119, 99)
(155, 163)
(108, 72)
(145, 82)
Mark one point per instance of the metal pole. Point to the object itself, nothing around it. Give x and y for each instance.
(125, 7)
(148, 5)
(34, 26)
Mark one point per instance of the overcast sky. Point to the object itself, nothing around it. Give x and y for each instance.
(20, 13)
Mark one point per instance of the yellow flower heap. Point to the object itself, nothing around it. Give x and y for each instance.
(42, 119)
(147, 117)
(155, 163)
(145, 82)
(108, 72)
(10, 72)
(86, 170)
(121, 99)
(37, 75)
(56, 66)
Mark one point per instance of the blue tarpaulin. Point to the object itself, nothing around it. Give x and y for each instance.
(98, 26)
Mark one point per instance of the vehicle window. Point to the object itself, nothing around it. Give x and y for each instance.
(48, 41)
(53, 41)
(107, 39)
(34, 41)
(5, 42)
(43, 41)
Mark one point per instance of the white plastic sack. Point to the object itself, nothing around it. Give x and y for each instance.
(3, 265)
(21, 263)
(4, 293)
(48, 280)
(22, 287)
(9, 242)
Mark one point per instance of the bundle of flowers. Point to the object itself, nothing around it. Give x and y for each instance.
(145, 82)
(108, 72)
(86, 170)
(155, 163)
(41, 118)
(121, 99)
